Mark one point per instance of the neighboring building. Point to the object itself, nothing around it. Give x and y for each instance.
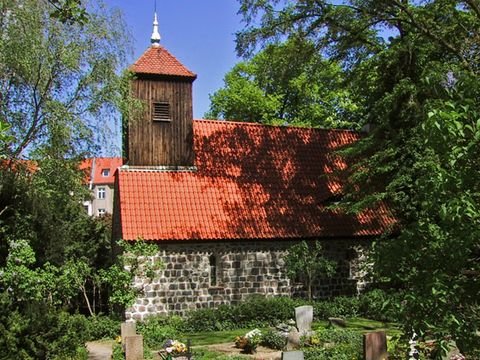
(101, 182)
(225, 200)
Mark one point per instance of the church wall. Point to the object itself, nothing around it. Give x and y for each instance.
(205, 275)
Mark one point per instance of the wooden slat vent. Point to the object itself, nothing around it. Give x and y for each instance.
(161, 111)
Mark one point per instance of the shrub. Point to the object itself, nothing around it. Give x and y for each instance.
(379, 305)
(341, 344)
(103, 327)
(340, 306)
(273, 340)
(255, 312)
(157, 329)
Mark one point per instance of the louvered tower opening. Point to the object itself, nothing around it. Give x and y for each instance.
(161, 111)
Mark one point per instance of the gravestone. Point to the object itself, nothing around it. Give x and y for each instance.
(375, 346)
(134, 347)
(304, 318)
(292, 355)
(293, 340)
(127, 329)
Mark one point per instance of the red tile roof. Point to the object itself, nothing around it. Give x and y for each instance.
(157, 60)
(110, 164)
(98, 165)
(251, 182)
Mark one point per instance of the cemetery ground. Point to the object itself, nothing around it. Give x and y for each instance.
(220, 345)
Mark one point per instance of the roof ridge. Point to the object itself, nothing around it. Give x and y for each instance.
(246, 123)
(158, 60)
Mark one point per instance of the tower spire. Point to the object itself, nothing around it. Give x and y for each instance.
(155, 39)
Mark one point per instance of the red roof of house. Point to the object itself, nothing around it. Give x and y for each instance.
(94, 167)
(156, 60)
(251, 182)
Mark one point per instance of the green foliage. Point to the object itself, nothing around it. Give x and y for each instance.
(305, 263)
(57, 98)
(339, 306)
(137, 258)
(379, 305)
(273, 340)
(288, 83)
(335, 344)
(117, 352)
(414, 68)
(37, 331)
(255, 312)
(103, 327)
(69, 11)
(157, 329)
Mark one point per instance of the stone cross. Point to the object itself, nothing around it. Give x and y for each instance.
(304, 318)
(292, 355)
(134, 347)
(375, 346)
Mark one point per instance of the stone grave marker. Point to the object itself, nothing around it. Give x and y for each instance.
(127, 329)
(304, 318)
(134, 347)
(375, 346)
(293, 340)
(292, 355)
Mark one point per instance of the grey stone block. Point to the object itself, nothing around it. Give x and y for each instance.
(292, 355)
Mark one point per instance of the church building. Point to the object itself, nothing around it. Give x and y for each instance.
(225, 200)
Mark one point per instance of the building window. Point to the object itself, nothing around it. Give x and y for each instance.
(101, 193)
(105, 172)
(101, 212)
(161, 111)
(213, 270)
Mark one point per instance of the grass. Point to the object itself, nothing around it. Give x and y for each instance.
(214, 337)
(219, 337)
(205, 354)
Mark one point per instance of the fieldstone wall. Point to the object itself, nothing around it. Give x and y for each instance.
(205, 275)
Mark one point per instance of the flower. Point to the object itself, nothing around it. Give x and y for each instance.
(249, 341)
(172, 348)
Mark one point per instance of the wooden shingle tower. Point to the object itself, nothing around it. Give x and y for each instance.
(161, 134)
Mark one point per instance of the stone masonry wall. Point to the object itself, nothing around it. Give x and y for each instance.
(205, 275)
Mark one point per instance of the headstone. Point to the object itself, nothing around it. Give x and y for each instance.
(337, 322)
(293, 340)
(134, 347)
(292, 355)
(375, 346)
(304, 318)
(127, 329)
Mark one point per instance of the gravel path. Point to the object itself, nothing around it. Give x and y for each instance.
(99, 350)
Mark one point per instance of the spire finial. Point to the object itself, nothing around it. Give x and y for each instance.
(155, 39)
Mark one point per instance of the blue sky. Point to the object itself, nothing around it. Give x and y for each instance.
(200, 33)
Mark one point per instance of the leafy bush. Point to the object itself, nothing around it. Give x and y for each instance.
(103, 327)
(340, 306)
(338, 344)
(117, 352)
(36, 331)
(157, 329)
(273, 340)
(379, 305)
(255, 312)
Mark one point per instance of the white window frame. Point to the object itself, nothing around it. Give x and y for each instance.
(105, 172)
(101, 193)
(101, 212)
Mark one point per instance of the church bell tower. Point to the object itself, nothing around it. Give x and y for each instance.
(161, 133)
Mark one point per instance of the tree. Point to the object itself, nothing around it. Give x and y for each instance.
(414, 66)
(287, 83)
(58, 80)
(307, 263)
(69, 11)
